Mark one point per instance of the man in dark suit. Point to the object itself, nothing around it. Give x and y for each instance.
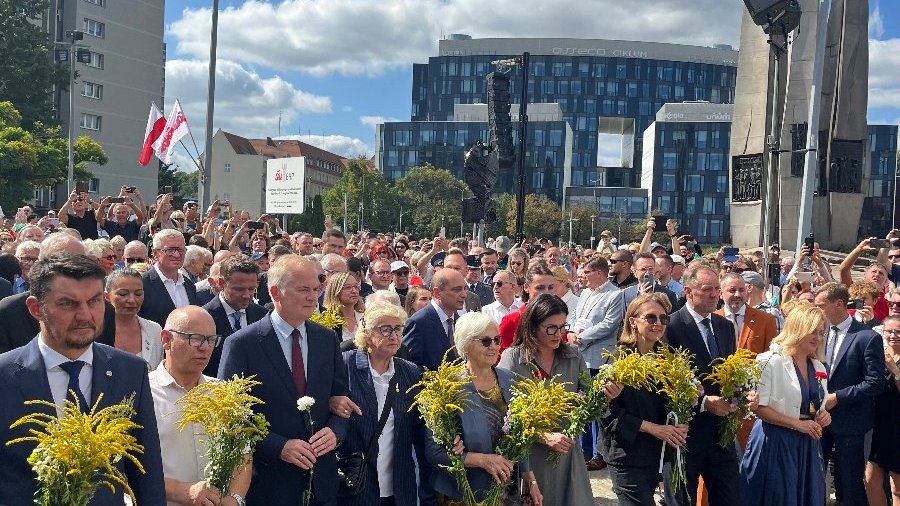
(708, 336)
(855, 360)
(66, 295)
(473, 281)
(19, 326)
(429, 332)
(233, 309)
(292, 358)
(6, 288)
(164, 286)
(456, 260)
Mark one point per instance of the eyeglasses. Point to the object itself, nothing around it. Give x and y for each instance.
(894, 332)
(893, 256)
(173, 251)
(613, 261)
(27, 259)
(134, 260)
(322, 278)
(652, 319)
(893, 304)
(382, 274)
(387, 330)
(350, 288)
(198, 340)
(498, 284)
(488, 341)
(552, 330)
(403, 272)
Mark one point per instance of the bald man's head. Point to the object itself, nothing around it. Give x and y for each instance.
(189, 338)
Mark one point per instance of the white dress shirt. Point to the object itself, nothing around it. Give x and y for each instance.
(229, 311)
(698, 319)
(184, 452)
(59, 379)
(175, 287)
(385, 460)
(283, 329)
(497, 310)
(737, 319)
(842, 328)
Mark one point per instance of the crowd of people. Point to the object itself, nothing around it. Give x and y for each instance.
(120, 299)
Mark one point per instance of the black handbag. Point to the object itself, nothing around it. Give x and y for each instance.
(352, 468)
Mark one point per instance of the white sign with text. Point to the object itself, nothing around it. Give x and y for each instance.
(285, 179)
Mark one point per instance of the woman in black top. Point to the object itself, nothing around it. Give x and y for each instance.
(633, 432)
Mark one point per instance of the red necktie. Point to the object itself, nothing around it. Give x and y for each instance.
(297, 363)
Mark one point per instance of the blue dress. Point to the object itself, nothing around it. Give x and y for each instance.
(783, 466)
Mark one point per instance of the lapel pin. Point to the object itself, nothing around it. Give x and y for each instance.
(109, 374)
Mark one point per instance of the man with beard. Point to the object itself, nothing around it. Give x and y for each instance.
(64, 363)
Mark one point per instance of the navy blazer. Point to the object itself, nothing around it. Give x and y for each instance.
(857, 378)
(157, 301)
(409, 430)
(19, 327)
(426, 339)
(6, 288)
(204, 295)
(476, 438)
(254, 312)
(254, 350)
(118, 375)
(683, 332)
(484, 292)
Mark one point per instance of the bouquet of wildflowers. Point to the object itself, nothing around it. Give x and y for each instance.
(736, 376)
(441, 397)
(627, 367)
(678, 382)
(224, 410)
(536, 407)
(76, 452)
(330, 319)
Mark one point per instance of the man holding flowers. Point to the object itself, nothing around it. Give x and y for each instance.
(292, 358)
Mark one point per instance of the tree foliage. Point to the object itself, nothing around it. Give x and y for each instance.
(29, 73)
(365, 185)
(38, 158)
(435, 196)
(312, 219)
(502, 205)
(184, 184)
(542, 217)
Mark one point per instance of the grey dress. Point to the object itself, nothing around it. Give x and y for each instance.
(566, 483)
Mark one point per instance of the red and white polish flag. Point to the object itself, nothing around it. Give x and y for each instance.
(176, 128)
(156, 123)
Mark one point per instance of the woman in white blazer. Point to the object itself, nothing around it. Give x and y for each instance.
(125, 291)
(783, 462)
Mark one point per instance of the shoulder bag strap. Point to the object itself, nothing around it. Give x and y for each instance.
(385, 411)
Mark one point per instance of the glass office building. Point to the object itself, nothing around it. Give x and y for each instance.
(878, 206)
(601, 86)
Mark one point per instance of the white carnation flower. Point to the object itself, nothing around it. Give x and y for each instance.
(305, 403)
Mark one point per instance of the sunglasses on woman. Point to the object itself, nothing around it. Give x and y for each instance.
(488, 341)
(652, 319)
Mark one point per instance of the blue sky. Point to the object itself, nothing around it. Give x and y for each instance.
(335, 67)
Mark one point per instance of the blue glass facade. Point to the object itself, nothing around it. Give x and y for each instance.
(878, 207)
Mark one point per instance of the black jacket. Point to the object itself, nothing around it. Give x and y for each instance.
(254, 312)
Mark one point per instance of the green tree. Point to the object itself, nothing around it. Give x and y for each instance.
(29, 73)
(502, 205)
(581, 224)
(37, 158)
(436, 195)
(311, 220)
(187, 185)
(362, 184)
(542, 217)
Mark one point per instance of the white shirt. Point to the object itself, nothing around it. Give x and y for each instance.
(842, 328)
(698, 319)
(497, 310)
(175, 288)
(283, 329)
(184, 452)
(385, 460)
(736, 318)
(230, 312)
(443, 316)
(59, 379)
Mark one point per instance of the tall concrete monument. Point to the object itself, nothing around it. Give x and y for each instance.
(842, 147)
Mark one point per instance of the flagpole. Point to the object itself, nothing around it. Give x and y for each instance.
(196, 161)
(204, 182)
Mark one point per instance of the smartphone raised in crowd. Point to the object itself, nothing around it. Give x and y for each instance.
(167, 189)
(880, 243)
(660, 220)
(255, 225)
(116, 200)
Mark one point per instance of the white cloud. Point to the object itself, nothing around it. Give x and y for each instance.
(347, 108)
(362, 37)
(884, 80)
(876, 23)
(375, 120)
(348, 147)
(246, 103)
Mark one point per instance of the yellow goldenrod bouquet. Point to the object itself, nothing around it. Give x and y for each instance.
(736, 376)
(224, 410)
(330, 319)
(441, 397)
(678, 382)
(537, 406)
(77, 452)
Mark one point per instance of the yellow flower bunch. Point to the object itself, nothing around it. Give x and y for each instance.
(74, 450)
(628, 367)
(224, 410)
(329, 319)
(736, 376)
(678, 382)
(441, 396)
(537, 406)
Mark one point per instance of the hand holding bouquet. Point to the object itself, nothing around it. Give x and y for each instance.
(737, 375)
(678, 382)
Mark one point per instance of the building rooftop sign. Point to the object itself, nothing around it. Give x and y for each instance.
(695, 112)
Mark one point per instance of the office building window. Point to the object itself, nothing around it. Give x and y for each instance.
(664, 203)
(92, 90)
(101, 3)
(96, 60)
(670, 160)
(90, 121)
(709, 205)
(693, 183)
(556, 138)
(700, 139)
(721, 184)
(95, 28)
(668, 182)
(716, 161)
(227, 167)
(690, 206)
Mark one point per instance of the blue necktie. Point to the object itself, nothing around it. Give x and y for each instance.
(73, 369)
(829, 347)
(710, 338)
(236, 323)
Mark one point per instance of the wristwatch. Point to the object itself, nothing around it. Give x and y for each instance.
(240, 500)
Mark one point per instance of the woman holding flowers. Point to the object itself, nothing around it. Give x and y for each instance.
(540, 351)
(373, 369)
(342, 295)
(633, 433)
(783, 461)
(477, 342)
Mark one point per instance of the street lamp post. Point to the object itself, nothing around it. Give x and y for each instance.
(462, 203)
(593, 217)
(71, 46)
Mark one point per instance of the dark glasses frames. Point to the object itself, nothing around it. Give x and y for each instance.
(652, 319)
(488, 341)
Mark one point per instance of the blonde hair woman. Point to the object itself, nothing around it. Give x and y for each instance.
(783, 462)
(342, 291)
(564, 288)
